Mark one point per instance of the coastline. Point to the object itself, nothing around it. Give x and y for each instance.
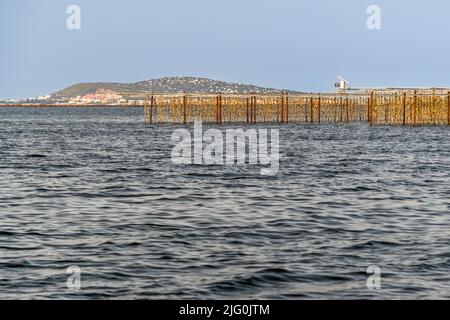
(69, 105)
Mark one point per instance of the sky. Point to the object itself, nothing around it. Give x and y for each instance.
(286, 44)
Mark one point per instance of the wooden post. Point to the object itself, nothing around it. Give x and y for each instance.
(415, 108)
(151, 109)
(184, 108)
(311, 113)
(282, 107)
(448, 108)
(252, 102)
(246, 104)
(145, 109)
(287, 107)
(369, 108)
(277, 107)
(217, 109)
(433, 107)
(410, 110)
(318, 109)
(404, 109)
(251, 108)
(346, 110)
(254, 108)
(220, 108)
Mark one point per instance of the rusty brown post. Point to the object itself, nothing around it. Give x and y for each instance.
(282, 107)
(254, 108)
(311, 113)
(246, 104)
(184, 108)
(145, 109)
(251, 108)
(448, 108)
(220, 108)
(277, 108)
(415, 108)
(411, 100)
(404, 109)
(347, 109)
(217, 108)
(151, 109)
(287, 107)
(318, 109)
(433, 107)
(370, 108)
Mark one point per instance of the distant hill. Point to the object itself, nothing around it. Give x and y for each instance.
(163, 85)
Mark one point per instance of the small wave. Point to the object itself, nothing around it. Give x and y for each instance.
(36, 156)
(373, 244)
(258, 279)
(272, 277)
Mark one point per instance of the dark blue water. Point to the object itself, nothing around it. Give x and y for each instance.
(96, 188)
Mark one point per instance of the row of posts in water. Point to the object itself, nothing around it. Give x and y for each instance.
(374, 108)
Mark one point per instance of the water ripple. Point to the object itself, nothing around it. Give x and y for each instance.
(95, 188)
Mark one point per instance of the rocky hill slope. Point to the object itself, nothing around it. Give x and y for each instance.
(163, 85)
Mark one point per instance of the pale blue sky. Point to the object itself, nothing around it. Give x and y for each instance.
(291, 44)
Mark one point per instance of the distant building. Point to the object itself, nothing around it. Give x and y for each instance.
(101, 96)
